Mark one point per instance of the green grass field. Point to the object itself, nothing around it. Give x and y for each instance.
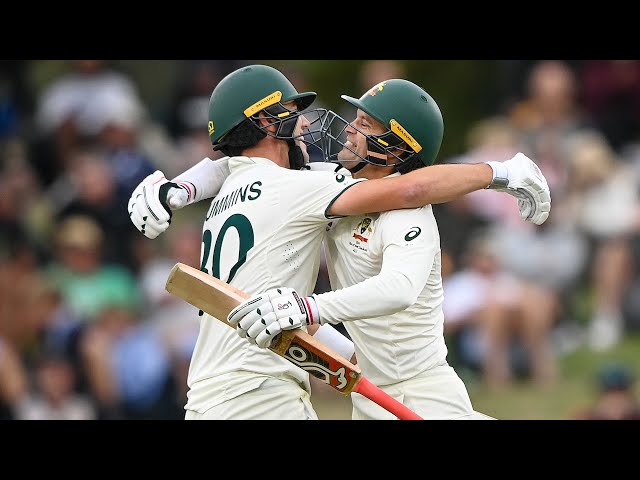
(574, 391)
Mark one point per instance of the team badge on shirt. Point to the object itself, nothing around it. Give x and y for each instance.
(363, 230)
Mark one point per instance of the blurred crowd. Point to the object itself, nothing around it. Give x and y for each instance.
(87, 330)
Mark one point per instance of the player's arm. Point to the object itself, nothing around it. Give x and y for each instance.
(152, 202)
(430, 185)
(410, 246)
(336, 341)
(410, 241)
(262, 317)
(202, 181)
(519, 177)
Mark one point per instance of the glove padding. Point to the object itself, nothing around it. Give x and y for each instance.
(521, 178)
(151, 203)
(262, 317)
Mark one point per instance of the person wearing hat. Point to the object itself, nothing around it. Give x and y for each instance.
(616, 398)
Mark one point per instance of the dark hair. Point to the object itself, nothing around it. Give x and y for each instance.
(244, 136)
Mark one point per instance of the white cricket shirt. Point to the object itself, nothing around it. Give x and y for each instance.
(263, 230)
(389, 260)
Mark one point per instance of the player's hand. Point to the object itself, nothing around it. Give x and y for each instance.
(521, 178)
(152, 201)
(260, 318)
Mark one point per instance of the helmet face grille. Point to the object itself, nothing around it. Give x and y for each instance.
(382, 150)
(286, 121)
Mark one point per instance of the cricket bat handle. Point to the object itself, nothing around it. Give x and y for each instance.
(366, 388)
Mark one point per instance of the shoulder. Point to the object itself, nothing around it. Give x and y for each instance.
(423, 214)
(326, 167)
(322, 178)
(242, 161)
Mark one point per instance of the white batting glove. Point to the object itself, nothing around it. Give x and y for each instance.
(262, 317)
(521, 178)
(151, 203)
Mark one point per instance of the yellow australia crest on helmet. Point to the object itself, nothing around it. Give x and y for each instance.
(378, 88)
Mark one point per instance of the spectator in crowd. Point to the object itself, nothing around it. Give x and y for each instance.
(615, 398)
(27, 300)
(602, 202)
(127, 367)
(556, 255)
(20, 193)
(53, 394)
(611, 96)
(77, 268)
(556, 252)
(493, 315)
(67, 114)
(547, 115)
(89, 187)
(118, 123)
(13, 380)
(488, 139)
(174, 321)
(16, 101)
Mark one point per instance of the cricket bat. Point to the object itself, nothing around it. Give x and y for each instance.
(218, 298)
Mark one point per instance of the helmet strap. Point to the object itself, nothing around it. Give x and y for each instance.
(376, 153)
(296, 157)
(359, 166)
(285, 131)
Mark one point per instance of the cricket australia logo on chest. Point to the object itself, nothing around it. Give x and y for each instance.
(361, 234)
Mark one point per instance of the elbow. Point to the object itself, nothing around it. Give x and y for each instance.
(417, 194)
(405, 293)
(404, 301)
(402, 296)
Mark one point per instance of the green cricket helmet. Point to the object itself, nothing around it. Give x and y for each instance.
(249, 90)
(411, 116)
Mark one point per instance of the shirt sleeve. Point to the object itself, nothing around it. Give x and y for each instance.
(410, 241)
(204, 179)
(316, 192)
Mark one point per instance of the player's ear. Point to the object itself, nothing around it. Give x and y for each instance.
(266, 122)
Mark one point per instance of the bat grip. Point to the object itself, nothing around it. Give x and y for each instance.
(366, 388)
(275, 342)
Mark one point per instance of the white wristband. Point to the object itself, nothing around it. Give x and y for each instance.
(500, 175)
(313, 312)
(333, 339)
